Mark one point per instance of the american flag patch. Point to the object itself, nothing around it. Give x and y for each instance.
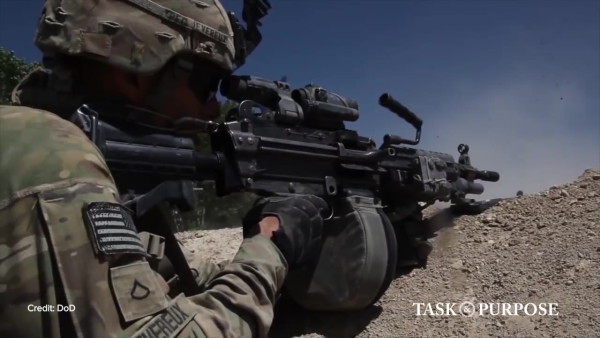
(112, 229)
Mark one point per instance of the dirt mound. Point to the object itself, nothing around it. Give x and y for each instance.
(542, 248)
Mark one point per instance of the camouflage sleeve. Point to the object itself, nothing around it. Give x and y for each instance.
(234, 292)
(238, 302)
(203, 270)
(50, 172)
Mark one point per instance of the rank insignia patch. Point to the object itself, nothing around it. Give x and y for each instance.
(112, 229)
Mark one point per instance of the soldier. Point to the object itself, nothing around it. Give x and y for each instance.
(71, 261)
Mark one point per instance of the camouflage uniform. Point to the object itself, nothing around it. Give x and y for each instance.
(50, 173)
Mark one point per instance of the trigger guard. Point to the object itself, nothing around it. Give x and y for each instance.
(331, 214)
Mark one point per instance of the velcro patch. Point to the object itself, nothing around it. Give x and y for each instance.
(137, 290)
(112, 229)
(170, 322)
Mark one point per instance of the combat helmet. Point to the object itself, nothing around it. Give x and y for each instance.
(142, 36)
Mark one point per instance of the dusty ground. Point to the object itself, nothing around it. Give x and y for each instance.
(542, 248)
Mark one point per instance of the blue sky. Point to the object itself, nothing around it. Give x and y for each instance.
(519, 81)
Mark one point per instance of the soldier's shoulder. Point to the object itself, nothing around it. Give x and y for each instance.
(29, 129)
(15, 117)
(38, 147)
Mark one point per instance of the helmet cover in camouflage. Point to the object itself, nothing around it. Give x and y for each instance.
(137, 35)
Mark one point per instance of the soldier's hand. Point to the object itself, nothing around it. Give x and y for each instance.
(268, 225)
(299, 228)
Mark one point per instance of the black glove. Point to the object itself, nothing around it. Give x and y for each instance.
(300, 224)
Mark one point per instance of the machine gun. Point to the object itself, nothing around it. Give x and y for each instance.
(280, 141)
(295, 141)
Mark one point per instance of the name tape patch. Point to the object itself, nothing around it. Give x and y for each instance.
(112, 229)
(168, 323)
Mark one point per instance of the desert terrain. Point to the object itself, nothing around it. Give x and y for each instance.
(539, 248)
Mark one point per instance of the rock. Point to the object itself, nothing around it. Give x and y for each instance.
(596, 177)
(570, 282)
(564, 193)
(457, 264)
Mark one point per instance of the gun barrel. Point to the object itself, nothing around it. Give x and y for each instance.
(467, 187)
(489, 176)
